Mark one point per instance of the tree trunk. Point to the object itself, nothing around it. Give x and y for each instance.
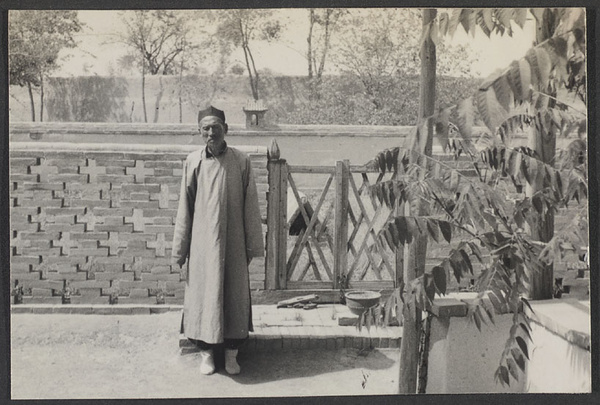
(255, 88)
(250, 76)
(541, 286)
(180, 101)
(41, 98)
(144, 95)
(158, 99)
(325, 43)
(309, 54)
(415, 254)
(31, 101)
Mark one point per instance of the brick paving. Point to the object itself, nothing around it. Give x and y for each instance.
(296, 328)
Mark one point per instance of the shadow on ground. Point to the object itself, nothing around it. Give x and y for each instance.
(261, 367)
(137, 356)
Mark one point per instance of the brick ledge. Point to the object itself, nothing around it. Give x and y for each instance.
(120, 309)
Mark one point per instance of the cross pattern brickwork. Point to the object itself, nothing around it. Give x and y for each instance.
(160, 245)
(92, 170)
(113, 243)
(100, 220)
(138, 220)
(65, 243)
(139, 171)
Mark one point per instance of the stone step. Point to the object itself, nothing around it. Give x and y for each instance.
(313, 337)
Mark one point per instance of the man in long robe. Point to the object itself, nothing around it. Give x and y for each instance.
(218, 230)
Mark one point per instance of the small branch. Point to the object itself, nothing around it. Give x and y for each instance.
(561, 102)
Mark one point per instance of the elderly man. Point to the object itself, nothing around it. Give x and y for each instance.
(218, 230)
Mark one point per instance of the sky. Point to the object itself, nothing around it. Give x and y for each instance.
(98, 49)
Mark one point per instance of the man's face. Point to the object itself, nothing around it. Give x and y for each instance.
(213, 131)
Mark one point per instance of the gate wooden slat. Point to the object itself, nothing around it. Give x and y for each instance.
(388, 266)
(310, 285)
(367, 183)
(323, 228)
(373, 264)
(311, 222)
(312, 169)
(312, 261)
(355, 223)
(372, 285)
(356, 254)
(369, 223)
(308, 234)
(322, 255)
(294, 253)
(369, 256)
(355, 230)
(340, 262)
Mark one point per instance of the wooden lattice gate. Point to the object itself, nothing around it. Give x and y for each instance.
(336, 246)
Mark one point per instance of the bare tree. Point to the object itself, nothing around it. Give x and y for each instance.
(381, 47)
(156, 38)
(240, 27)
(322, 24)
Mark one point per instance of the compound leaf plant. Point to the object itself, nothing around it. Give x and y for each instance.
(482, 213)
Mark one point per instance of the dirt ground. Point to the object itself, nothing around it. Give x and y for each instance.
(136, 356)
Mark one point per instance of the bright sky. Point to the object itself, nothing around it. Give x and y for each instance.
(98, 52)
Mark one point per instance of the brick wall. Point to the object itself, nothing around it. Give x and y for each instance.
(97, 220)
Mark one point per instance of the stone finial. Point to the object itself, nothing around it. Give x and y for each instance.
(273, 153)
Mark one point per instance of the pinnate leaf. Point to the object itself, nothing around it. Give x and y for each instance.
(522, 345)
(446, 230)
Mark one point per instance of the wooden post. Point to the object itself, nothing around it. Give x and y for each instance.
(541, 285)
(541, 281)
(415, 254)
(275, 277)
(340, 260)
(283, 229)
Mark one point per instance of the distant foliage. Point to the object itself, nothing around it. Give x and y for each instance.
(288, 98)
(36, 38)
(87, 99)
(343, 100)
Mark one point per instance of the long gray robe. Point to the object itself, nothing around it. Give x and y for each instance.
(218, 229)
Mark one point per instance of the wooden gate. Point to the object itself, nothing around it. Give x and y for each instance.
(336, 246)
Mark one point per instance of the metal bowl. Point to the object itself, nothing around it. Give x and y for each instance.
(360, 301)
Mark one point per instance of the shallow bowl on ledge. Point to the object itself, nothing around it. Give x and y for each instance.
(360, 301)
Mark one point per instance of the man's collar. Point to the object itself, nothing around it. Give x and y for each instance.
(209, 154)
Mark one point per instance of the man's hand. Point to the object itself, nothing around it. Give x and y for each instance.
(184, 273)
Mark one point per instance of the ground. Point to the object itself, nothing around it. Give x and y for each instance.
(55, 356)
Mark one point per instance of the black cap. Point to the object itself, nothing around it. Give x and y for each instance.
(211, 112)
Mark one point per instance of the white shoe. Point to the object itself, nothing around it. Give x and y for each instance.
(207, 362)
(231, 364)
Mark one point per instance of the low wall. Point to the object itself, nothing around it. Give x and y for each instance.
(97, 220)
(463, 359)
(300, 145)
(561, 358)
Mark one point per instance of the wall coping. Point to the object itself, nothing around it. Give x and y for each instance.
(104, 128)
(568, 318)
(119, 148)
